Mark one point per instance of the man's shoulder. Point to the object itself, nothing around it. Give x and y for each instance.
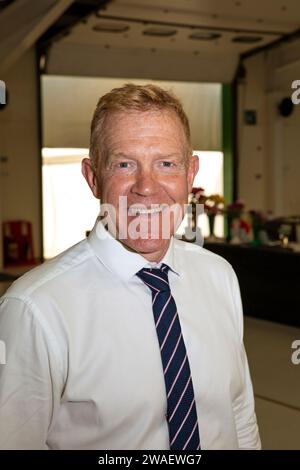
(51, 271)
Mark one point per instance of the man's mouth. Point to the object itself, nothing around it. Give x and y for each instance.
(136, 210)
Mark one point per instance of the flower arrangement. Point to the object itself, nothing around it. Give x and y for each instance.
(257, 217)
(197, 196)
(233, 214)
(214, 204)
(235, 209)
(240, 226)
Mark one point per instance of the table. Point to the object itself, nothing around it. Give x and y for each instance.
(269, 279)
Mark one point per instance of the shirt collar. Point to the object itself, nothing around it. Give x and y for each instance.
(118, 259)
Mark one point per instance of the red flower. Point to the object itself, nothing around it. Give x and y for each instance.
(244, 225)
(197, 190)
(236, 206)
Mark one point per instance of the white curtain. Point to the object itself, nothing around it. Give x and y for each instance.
(69, 208)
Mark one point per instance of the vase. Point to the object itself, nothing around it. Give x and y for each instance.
(211, 223)
(227, 229)
(229, 222)
(256, 234)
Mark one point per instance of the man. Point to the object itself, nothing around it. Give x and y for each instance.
(131, 339)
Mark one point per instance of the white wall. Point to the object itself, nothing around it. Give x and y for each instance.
(269, 163)
(284, 133)
(19, 140)
(252, 177)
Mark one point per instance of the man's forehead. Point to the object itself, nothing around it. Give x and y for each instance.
(164, 124)
(117, 116)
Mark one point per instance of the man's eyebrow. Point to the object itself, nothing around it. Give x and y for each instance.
(119, 155)
(129, 156)
(172, 156)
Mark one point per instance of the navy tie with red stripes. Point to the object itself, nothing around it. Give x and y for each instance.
(181, 407)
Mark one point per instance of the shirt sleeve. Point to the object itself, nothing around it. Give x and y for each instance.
(29, 385)
(244, 407)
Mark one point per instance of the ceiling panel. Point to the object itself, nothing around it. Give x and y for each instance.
(260, 22)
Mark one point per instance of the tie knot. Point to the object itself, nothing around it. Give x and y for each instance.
(155, 278)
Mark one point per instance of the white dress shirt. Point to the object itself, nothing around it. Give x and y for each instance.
(83, 364)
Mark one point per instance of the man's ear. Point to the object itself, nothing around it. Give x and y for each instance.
(90, 176)
(192, 171)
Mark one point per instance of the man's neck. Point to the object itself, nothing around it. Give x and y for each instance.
(153, 257)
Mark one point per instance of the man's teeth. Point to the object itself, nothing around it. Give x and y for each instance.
(144, 211)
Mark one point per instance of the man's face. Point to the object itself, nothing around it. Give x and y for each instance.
(145, 159)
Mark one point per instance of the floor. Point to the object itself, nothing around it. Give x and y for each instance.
(276, 382)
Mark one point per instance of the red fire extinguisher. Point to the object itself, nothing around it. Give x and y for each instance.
(17, 242)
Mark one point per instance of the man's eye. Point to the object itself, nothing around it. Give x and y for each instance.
(123, 164)
(168, 164)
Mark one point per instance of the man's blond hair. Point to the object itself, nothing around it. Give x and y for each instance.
(131, 97)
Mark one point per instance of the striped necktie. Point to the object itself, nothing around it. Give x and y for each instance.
(181, 407)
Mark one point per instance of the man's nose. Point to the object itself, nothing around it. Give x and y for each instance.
(145, 184)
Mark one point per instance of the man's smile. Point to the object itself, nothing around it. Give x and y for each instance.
(136, 210)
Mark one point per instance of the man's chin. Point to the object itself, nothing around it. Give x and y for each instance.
(147, 247)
